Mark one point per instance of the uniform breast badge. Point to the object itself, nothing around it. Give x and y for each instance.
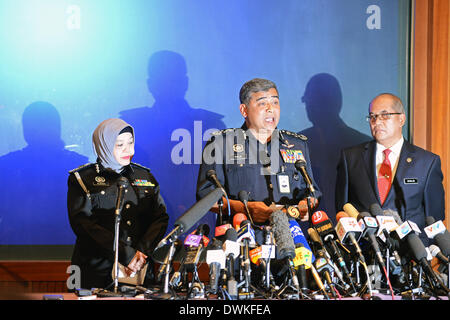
(142, 183)
(100, 181)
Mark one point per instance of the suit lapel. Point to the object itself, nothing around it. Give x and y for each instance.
(369, 161)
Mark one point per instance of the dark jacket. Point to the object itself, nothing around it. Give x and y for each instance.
(91, 211)
(416, 190)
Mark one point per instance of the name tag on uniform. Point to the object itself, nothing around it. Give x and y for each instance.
(290, 156)
(410, 181)
(283, 183)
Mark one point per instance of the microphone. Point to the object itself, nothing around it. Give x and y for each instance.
(231, 249)
(243, 197)
(285, 243)
(322, 252)
(436, 230)
(122, 184)
(300, 165)
(369, 226)
(436, 252)
(197, 211)
(303, 254)
(237, 220)
(419, 254)
(222, 229)
(198, 243)
(297, 235)
(349, 232)
(246, 233)
(215, 258)
(326, 231)
(211, 176)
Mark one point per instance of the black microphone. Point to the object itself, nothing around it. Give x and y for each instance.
(211, 176)
(198, 210)
(122, 184)
(392, 244)
(439, 233)
(215, 258)
(370, 228)
(243, 197)
(193, 253)
(285, 243)
(420, 255)
(436, 252)
(232, 249)
(300, 165)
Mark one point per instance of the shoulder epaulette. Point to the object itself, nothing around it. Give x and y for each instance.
(220, 132)
(140, 166)
(297, 135)
(81, 167)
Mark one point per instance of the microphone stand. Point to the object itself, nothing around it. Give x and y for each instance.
(116, 252)
(220, 217)
(119, 205)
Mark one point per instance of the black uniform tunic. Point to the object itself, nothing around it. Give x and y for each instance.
(266, 171)
(91, 207)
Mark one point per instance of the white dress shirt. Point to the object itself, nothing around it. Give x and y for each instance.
(393, 156)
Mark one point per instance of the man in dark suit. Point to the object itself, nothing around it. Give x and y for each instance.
(390, 171)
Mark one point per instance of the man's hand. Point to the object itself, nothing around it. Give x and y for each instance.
(260, 211)
(136, 263)
(303, 208)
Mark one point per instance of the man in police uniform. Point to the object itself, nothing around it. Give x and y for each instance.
(259, 159)
(91, 201)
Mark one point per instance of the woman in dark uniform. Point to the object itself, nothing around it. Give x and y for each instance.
(91, 202)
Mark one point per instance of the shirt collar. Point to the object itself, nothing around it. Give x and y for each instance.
(396, 148)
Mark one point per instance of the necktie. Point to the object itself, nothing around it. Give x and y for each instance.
(384, 177)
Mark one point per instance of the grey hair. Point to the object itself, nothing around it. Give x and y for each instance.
(252, 86)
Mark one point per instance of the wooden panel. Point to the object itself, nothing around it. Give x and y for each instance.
(49, 276)
(431, 83)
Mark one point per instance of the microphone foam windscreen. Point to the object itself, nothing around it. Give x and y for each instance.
(231, 235)
(429, 220)
(280, 226)
(376, 210)
(198, 210)
(243, 196)
(417, 247)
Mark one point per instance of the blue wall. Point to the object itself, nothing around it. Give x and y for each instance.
(173, 69)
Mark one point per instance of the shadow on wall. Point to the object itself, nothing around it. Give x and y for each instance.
(33, 207)
(170, 134)
(328, 135)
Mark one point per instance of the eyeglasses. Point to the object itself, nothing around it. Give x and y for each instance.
(383, 116)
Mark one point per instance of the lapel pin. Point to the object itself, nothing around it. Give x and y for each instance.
(409, 160)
